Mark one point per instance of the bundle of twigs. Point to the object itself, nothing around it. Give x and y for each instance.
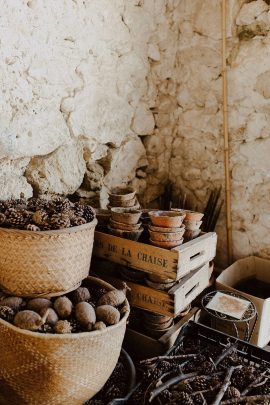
(212, 210)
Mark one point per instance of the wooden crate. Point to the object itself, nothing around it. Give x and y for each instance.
(174, 263)
(170, 302)
(141, 346)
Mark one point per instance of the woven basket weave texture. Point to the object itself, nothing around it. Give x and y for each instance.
(45, 369)
(49, 262)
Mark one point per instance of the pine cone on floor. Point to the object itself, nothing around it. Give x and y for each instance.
(184, 399)
(6, 313)
(232, 392)
(40, 217)
(59, 221)
(32, 227)
(17, 218)
(2, 218)
(88, 213)
(200, 383)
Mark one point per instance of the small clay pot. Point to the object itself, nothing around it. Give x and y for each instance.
(157, 333)
(192, 215)
(159, 286)
(163, 229)
(132, 235)
(156, 318)
(122, 193)
(168, 219)
(124, 203)
(125, 215)
(103, 216)
(192, 225)
(167, 236)
(159, 279)
(167, 245)
(189, 235)
(158, 326)
(125, 227)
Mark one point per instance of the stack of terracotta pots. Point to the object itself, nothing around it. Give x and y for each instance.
(193, 222)
(166, 229)
(125, 214)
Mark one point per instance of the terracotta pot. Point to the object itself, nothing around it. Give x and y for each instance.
(167, 245)
(134, 207)
(132, 235)
(125, 227)
(167, 237)
(171, 219)
(156, 333)
(125, 203)
(103, 216)
(192, 225)
(192, 215)
(122, 193)
(125, 215)
(163, 229)
(191, 234)
(159, 279)
(159, 286)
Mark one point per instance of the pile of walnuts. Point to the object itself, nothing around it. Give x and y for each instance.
(39, 214)
(85, 309)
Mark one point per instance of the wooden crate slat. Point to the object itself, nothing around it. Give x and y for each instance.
(137, 255)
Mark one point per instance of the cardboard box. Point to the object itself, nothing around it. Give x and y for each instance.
(250, 267)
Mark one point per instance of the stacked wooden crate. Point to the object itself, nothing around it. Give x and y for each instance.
(188, 265)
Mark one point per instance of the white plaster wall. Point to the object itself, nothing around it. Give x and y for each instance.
(75, 94)
(196, 162)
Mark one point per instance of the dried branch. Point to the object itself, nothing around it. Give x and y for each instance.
(247, 399)
(224, 354)
(254, 384)
(224, 386)
(169, 383)
(167, 358)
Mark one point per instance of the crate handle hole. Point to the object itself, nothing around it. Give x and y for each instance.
(194, 257)
(192, 289)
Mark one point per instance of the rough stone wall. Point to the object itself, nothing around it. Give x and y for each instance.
(196, 162)
(76, 94)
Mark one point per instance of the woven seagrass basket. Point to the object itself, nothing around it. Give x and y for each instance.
(48, 369)
(46, 262)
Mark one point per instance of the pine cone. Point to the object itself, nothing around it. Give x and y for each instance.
(238, 380)
(78, 209)
(3, 206)
(198, 399)
(89, 213)
(59, 205)
(184, 386)
(200, 383)
(232, 392)
(184, 399)
(36, 204)
(7, 313)
(46, 328)
(76, 221)
(207, 367)
(2, 218)
(32, 227)
(75, 326)
(263, 389)
(17, 218)
(40, 217)
(59, 221)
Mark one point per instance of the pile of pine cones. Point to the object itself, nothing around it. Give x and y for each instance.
(39, 214)
(202, 374)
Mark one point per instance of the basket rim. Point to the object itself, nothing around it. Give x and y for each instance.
(65, 231)
(71, 336)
